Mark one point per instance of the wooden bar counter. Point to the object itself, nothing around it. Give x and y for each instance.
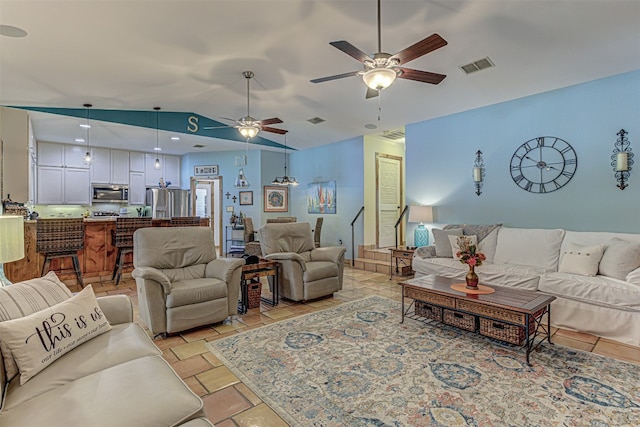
(97, 259)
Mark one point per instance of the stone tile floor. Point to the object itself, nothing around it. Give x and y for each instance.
(229, 403)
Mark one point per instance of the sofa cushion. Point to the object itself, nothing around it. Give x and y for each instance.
(441, 237)
(140, 392)
(173, 247)
(121, 344)
(25, 298)
(318, 270)
(599, 290)
(524, 246)
(620, 258)
(634, 277)
(581, 260)
(195, 291)
(37, 340)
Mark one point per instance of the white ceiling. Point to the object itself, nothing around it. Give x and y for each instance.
(189, 56)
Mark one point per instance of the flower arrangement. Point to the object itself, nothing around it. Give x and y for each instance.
(467, 252)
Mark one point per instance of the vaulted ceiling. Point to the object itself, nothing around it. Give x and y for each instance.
(188, 56)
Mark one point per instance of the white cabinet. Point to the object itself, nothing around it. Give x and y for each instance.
(137, 188)
(50, 154)
(109, 166)
(136, 161)
(169, 170)
(74, 156)
(119, 167)
(63, 186)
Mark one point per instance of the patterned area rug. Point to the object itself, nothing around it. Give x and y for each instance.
(356, 365)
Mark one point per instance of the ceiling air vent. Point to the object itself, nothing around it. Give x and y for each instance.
(478, 65)
(198, 146)
(393, 135)
(316, 120)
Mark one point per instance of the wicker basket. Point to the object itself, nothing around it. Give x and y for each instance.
(512, 334)
(429, 311)
(255, 290)
(460, 320)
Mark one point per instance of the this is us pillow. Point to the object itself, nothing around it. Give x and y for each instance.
(37, 340)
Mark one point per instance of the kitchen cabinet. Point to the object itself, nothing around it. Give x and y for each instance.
(169, 170)
(63, 186)
(109, 166)
(137, 188)
(17, 155)
(136, 161)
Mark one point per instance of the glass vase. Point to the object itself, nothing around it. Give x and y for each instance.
(472, 278)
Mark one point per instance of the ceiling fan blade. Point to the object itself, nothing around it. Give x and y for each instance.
(337, 76)
(371, 93)
(274, 130)
(421, 76)
(272, 121)
(350, 50)
(423, 47)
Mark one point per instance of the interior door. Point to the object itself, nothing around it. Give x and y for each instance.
(206, 201)
(388, 198)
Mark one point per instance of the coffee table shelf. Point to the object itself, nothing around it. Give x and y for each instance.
(510, 315)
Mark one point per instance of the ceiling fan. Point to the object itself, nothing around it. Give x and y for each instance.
(248, 126)
(381, 69)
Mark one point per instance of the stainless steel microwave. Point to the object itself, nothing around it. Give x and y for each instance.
(110, 194)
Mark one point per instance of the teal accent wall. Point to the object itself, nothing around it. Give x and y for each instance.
(440, 155)
(342, 162)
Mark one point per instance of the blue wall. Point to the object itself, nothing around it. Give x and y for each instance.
(342, 162)
(440, 155)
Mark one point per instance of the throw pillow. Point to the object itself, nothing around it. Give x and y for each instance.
(453, 240)
(441, 237)
(620, 258)
(24, 298)
(582, 260)
(37, 340)
(634, 277)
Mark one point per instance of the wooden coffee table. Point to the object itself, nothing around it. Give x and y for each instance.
(508, 314)
(264, 268)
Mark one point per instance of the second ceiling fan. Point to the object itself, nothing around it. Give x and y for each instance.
(250, 127)
(381, 69)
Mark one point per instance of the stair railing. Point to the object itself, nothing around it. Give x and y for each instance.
(353, 237)
(404, 211)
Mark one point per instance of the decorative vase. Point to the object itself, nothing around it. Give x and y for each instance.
(472, 278)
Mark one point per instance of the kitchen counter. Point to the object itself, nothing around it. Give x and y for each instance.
(97, 259)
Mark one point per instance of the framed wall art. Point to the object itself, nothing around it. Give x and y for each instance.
(321, 198)
(205, 170)
(246, 197)
(276, 199)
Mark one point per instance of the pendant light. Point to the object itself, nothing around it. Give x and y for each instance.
(241, 180)
(285, 180)
(156, 164)
(86, 126)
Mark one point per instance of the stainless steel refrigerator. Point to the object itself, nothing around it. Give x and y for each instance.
(168, 202)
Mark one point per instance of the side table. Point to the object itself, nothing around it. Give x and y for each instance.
(264, 268)
(403, 258)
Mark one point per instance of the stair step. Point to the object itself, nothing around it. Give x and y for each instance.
(377, 266)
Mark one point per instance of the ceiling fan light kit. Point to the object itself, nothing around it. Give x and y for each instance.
(379, 78)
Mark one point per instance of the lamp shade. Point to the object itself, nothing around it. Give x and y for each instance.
(420, 214)
(11, 238)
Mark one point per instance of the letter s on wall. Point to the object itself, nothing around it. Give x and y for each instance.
(193, 124)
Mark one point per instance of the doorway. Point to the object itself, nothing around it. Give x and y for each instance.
(206, 201)
(389, 196)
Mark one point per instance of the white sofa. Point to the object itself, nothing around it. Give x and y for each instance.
(544, 260)
(118, 378)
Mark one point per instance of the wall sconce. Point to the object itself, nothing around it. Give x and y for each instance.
(622, 159)
(478, 172)
(420, 214)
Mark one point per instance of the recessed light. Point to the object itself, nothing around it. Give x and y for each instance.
(79, 140)
(157, 149)
(175, 138)
(370, 126)
(11, 31)
(85, 126)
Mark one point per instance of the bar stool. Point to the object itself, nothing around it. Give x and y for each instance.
(122, 238)
(184, 221)
(60, 238)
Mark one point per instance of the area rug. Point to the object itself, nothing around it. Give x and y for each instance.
(357, 365)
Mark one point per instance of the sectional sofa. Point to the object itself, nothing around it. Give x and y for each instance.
(595, 276)
(97, 368)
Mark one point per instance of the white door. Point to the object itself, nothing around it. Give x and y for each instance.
(389, 198)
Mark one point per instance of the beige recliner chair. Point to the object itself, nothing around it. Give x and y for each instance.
(307, 272)
(181, 284)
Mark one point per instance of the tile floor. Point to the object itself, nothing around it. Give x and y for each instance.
(229, 403)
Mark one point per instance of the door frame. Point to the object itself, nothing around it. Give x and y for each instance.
(213, 222)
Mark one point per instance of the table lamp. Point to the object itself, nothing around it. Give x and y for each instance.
(11, 243)
(420, 214)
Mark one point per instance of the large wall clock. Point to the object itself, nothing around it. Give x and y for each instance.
(543, 164)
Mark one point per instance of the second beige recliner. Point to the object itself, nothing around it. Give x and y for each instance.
(307, 272)
(181, 283)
